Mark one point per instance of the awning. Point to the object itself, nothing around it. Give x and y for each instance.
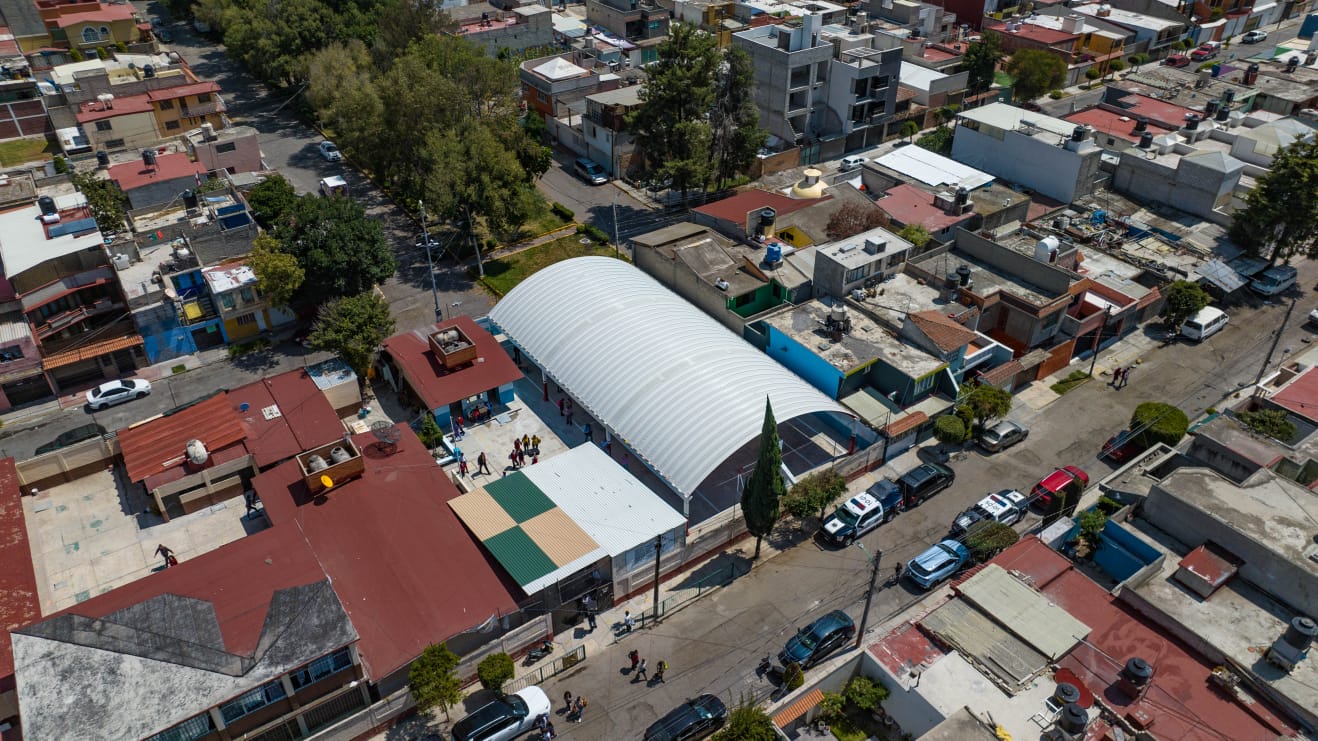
(1221, 275)
(94, 350)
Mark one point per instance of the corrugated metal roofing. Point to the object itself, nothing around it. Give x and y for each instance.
(615, 509)
(156, 445)
(933, 169)
(960, 625)
(678, 387)
(520, 556)
(1022, 610)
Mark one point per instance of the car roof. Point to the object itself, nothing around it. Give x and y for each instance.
(934, 557)
(1004, 426)
(677, 719)
(861, 503)
(998, 501)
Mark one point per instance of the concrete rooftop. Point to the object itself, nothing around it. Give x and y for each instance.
(866, 342)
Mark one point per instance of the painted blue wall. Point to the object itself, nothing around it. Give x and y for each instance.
(803, 361)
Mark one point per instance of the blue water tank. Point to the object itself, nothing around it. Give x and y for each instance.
(1217, 70)
(773, 254)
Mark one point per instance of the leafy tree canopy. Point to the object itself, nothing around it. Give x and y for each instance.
(1184, 299)
(747, 722)
(105, 200)
(1280, 217)
(917, 235)
(278, 276)
(342, 251)
(981, 62)
(814, 493)
(986, 539)
(988, 403)
(949, 429)
(1035, 72)
(353, 327)
(270, 199)
(433, 679)
(1154, 422)
(853, 218)
(496, 669)
(1271, 422)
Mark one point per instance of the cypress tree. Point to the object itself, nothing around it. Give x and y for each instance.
(765, 488)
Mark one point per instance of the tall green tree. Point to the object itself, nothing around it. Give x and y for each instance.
(981, 62)
(433, 679)
(105, 200)
(747, 722)
(987, 403)
(763, 493)
(909, 129)
(1035, 72)
(270, 199)
(736, 136)
(672, 125)
(278, 276)
(342, 250)
(1184, 299)
(353, 327)
(1280, 217)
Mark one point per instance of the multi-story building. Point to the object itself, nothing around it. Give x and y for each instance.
(716, 17)
(244, 312)
(233, 149)
(931, 23)
(550, 83)
(633, 20)
(114, 122)
(515, 29)
(1046, 154)
(1154, 35)
(1073, 38)
(604, 128)
(89, 24)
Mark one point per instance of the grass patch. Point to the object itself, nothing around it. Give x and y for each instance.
(18, 151)
(856, 726)
(180, 368)
(1003, 79)
(543, 222)
(244, 348)
(503, 274)
(1073, 379)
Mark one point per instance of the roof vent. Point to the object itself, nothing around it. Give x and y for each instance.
(1290, 649)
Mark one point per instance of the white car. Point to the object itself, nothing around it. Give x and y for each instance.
(329, 151)
(1253, 37)
(851, 163)
(117, 392)
(505, 718)
(1007, 507)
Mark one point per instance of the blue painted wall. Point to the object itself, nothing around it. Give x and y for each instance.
(803, 361)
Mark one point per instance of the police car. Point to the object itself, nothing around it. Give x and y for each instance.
(862, 513)
(1006, 507)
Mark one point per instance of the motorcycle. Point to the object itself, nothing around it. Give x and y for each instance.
(540, 652)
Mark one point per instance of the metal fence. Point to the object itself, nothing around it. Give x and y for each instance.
(557, 666)
(720, 578)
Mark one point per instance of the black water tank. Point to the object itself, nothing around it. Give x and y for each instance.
(1292, 64)
(1073, 718)
(189, 199)
(1300, 633)
(1066, 693)
(1078, 134)
(1191, 122)
(102, 159)
(1141, 124)
(963, 273)
(962, 195)
(148, 70)
(1210, 108)
(1223, 114)
(1228, 97)
(1146, 140)
(950, 281)
(47, 205)
(149, 157)
(1138, 671)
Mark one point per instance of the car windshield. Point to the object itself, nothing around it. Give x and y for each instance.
(808, 639)
(518, 705)
(330, 147)
(980, 512)
(846, 516)
(992, 436)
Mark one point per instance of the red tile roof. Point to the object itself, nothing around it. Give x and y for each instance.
(175, 472)
(945, 333)
(306, 418)
(181, 91)
(1032, 32)
(910, 205)
(96, 349)
(1181, 698)
(736, 208)
(1160, 111)
(906, 424)
(1300, 396)
(1109, 122)
(8, 46)
(437, 387)
(19, 604)
(103, 14)
(154, 446)
(94, 110)
(135, 174)
(407, 571)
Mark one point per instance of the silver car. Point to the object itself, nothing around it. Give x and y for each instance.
(117, 392)
(1001, 436)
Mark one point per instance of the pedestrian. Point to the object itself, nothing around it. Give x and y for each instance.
(535, 459)
(482, 464)
(458, 423)
(590, 618)
(569, 407)
(659, 670)
(517, 443)
(164, 552)
(521, 457)
(567, 700)
(541, 721)
(627, 621)
(549, 730)
(535, 444)
(560, 407)
(512, 457)
(581, 707)
(1116, 376)
(462, 467)
(635, 657)
(640, 672)
(526, 441)
(249, 498)
(569, 417)
(1125, 375)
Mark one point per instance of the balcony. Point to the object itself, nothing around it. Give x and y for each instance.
(199, 110)
(196, 311)
(53, 290)
(60, 321)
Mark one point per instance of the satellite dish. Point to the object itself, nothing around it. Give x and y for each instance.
(327, 482)
(387, 433)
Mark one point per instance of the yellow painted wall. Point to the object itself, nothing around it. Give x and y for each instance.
(175, 113)
(238, 331)
(125, 31)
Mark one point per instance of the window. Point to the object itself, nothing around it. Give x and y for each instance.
(252, 701)
(103, 126)
(321, 668)
(11, 353)
(105, 32)
(247, 295)
(188, 730)
(114, 143)
(166, 105)
(246, 319)
(856, 274)
(226, 147)
(227, 302)
(204, 98)
(171, 125)
(89, 35)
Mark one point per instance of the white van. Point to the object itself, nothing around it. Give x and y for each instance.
(1204, 324)
(1276, 279)
(851, 163)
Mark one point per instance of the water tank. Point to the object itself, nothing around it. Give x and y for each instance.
(47, 205)
(208, 131)
(1191, 122)
(1251, 73)
(773, 254)
(189, 199)
(767, 218)
(1292, 63)
(838, 313)
(963, 273)
(102, 160)
(1078, 134)
(447, 336)
(1228, 97)
(149, 157)
(1141, 124)
(121, 261)
(962, 195)
(196, 452)
(951, 280)
(1073, 719)
(1216, 70)
(338, 454)
(316, 463)
(1146, 140)
(1301, 632)
(1223, 114)
(1138, 671)
(1066, 693)
(1045, 250)
(1210, 108)
(148, 70)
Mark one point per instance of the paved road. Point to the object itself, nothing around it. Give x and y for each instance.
(714, 645)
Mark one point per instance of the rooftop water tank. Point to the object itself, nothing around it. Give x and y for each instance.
(47, 205)
(773, 254)
(316, 463)
(196, 452)
(1046, 249)
(338, 454)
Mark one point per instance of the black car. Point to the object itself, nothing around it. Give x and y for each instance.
(693, 719)
(922, 482)
(818, 639)
(73, 436)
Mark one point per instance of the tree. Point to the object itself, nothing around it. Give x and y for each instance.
(342, 251)
(986, 539)
(981, 62)
(1271, 422)
(1092, 74)
(271, 199)
(1136, 60)
(793, 676)
(1092, 522)
(1154, 422)
(909, 129)
(747, 722)
(865, 693)
(1116, 65)
(1184, 299)
(430, 433)
(814, 493)
(494, 670)
(917, 235)
(946, 113)
(278, 276)
(433, 679)
(764, 490)
(104, 199)
(987, 403)
(939, 140)
(735, 119)
(1280, 217)
(949, 430)
(1035, 72)
(353, 327)
(853, 218)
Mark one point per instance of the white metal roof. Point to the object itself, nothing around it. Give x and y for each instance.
(1011, 118)
(933, 169)
(676, 386)
(24, 244)
(919, 78)
(1029, 615)
(615, 509)
(558, 68)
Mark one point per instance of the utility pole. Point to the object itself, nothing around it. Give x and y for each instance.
(471, 229)
(869, 595)
(425, 240)
(1098, 339)
(658, 549)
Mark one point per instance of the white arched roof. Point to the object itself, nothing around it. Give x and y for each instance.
(679, 388)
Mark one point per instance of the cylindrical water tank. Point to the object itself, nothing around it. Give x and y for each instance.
(448, 335)
(338, 454)
(1300, 633)
(1066, 693)
(316, 463)
(1210, 108)
(1073, 718)
(1146, 139)
(963, 273)
(47, 205)
(189, 199)
(1138, 671)
(773, 254)
(102, 159)
(149, 157)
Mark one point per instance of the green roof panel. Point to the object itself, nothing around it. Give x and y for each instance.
(520, 498)
(519, 555)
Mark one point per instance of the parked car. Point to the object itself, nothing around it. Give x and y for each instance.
(590, 171)
(1276, 279)
(1177, 60)
(1122, 447)
(330, 151)
(1313, 317)
(1254, 37)
(164, 35)
(1204, 52)
(1206, 322)
(862, 513)
(1050, 487)
(940, 561)
(72, 437)
(693, 719)
(818, 639)
(117, 392)
(333, 185)
(505, 718)
(851, 163)
(922, 482)
(1006, 506)
(1001, 436)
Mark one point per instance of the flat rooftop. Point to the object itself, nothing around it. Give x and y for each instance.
(1113, 272)
(987, 278)
(867, 341)
(903, 294)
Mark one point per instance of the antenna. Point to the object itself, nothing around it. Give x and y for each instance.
(387, 434)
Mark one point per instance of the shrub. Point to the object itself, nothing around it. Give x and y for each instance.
(594, 232)
(793, 677)
(76, 55)
(490, 243)
(494, 670)
(1057, 95)
(986, 539)
(1092, 522)
(865, 693)
(1271, 422)
(1073, 379)
(1092, 73)
(121, 46)
(1154, 422)
(833, 706)
(949, 429)
(1116, 65)
(561, 211)
(61, 165)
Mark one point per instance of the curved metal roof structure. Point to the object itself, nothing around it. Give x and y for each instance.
(680, 389)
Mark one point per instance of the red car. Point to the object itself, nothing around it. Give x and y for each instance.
(1122, 446)
(1204, 52)
(1177, 60)
(1050, 487)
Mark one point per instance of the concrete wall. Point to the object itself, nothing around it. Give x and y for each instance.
(1037, 164)
(803, 361)
(773, 68)
(66, 464)
(912, 712)
(1187, 186)
(675, 275)
(535, 30)
(1023, 266)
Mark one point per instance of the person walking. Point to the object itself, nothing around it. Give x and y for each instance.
(635, 657)
(560, 407)
(462, 467)
(590, 618)
(659, 670)
(249, 498)
(512, 458)
(165, 552)
(535, 444)
(549, 730)
(640, 672)
(1125, 375)
(482, 463)
(567, 700)
(458, 424)
(581, 708)
(627, 621)
(526, 441)
(517, 443)
(569, 417)
(1116, 377)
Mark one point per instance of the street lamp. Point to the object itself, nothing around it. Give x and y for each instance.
(428, 243)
